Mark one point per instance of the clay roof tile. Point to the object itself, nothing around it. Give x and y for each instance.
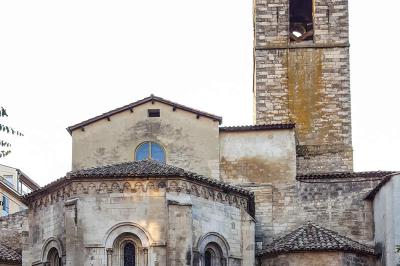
(8, 254)
(311, 237)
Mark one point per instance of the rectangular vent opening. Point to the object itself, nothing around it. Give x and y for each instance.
(153, 112)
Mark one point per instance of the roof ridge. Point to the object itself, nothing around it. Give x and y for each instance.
(140, 102)
(258, 127)
(347, 174)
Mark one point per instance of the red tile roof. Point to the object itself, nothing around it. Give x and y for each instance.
(257, 127)
(344, 175)
(145, 168)
(311, 237)
(9, 255)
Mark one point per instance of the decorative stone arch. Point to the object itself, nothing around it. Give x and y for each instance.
(122, 233)
(51, 243)
(219, 246)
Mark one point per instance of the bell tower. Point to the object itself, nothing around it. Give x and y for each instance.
(302, 75)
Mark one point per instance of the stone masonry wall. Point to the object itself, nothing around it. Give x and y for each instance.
(12, 228)
(310, 87)
(271, 23)
(191, 218)
(44, 222)
(334, 204)
(308, 84)
(257, 156)
(88, 216)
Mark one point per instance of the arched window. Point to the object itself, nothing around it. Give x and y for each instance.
(213, 255)
(213, 249)
(150, 151)
(129, 254)
(208, 257)
(124, 247)
(53, 258)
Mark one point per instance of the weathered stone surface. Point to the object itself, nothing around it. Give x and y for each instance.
(170, 219)
(12, 228)
(308, 84)
(335, 203)
(190, 142)
(257, 157)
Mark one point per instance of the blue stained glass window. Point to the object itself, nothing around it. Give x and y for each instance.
(142, 152)
(150, 150)
(157, 152)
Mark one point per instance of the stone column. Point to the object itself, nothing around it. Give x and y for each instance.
(109, 256)
(146, 256)
(73, 235)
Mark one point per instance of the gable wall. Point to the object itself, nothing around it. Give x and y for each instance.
(189, 142)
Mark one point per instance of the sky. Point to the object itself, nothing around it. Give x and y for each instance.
(62, 62)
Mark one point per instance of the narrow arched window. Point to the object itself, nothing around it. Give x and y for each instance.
(53, 258)
(208, 257)
(150, 151)
(213, 255)
(129, 254)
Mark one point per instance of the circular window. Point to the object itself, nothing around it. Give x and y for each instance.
(150, 151)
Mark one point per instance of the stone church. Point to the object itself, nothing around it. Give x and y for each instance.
(157, 183)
